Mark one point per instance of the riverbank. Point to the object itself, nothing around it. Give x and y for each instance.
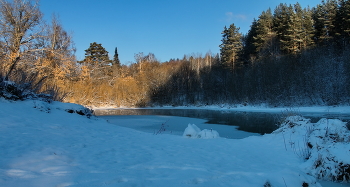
(47, 144)
(261, 108)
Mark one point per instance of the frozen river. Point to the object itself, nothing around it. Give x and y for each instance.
(229, 124)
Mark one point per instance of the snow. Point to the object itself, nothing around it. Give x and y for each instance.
(49, 144)
(324, 145)
(192, 131)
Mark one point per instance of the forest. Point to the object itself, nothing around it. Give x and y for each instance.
(291, 56)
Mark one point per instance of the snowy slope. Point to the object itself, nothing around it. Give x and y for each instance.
(42, 144)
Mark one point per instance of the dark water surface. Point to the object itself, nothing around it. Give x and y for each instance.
(255, 122)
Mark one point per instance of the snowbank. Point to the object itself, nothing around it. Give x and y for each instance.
(192, 131)
(323, 145)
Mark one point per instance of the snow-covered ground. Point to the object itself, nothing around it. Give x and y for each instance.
(42, 144)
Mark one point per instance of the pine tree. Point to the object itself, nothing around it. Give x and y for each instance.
(308, 29)
(318, 18)
(96, 55)
(283, 26)
(331, 8)
(297, 28)
(301, 30)
(325, 21)
(231, 46)
(263, 40)
(343, 21)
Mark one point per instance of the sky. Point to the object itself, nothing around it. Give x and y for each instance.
(166, 28)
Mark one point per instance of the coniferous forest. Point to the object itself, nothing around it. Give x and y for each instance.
(291, 56)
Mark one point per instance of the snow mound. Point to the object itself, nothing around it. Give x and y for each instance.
(208, 134)
(192, 131)
(48, 107)
(324, 146)
(73, 108)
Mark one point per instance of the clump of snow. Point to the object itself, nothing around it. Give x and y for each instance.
(324, 146)
(208, 134)
(192, 131)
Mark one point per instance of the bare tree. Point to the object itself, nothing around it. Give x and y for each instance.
(60, 41)
(57, 46)
(139, 59)
(19, 28)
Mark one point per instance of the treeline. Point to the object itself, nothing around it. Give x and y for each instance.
(289, 29)
(318, 76)
(292, 29)
(291, 56)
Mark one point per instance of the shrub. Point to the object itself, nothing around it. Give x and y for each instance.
(12, 91)
(324, 147)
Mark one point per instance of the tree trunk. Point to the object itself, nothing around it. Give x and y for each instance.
(13, 65)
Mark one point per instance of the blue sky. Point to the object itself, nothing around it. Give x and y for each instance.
(167, 28)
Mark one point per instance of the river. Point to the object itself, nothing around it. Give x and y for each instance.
(227, 122)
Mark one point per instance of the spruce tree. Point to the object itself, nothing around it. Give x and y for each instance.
(231, 46)
(116, 61)
(249, 49)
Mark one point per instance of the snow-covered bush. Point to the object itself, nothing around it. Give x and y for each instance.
(192, 131)
(282, 117)
(293, 123)
(12, 91)
(9, 90)
(325, 146)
